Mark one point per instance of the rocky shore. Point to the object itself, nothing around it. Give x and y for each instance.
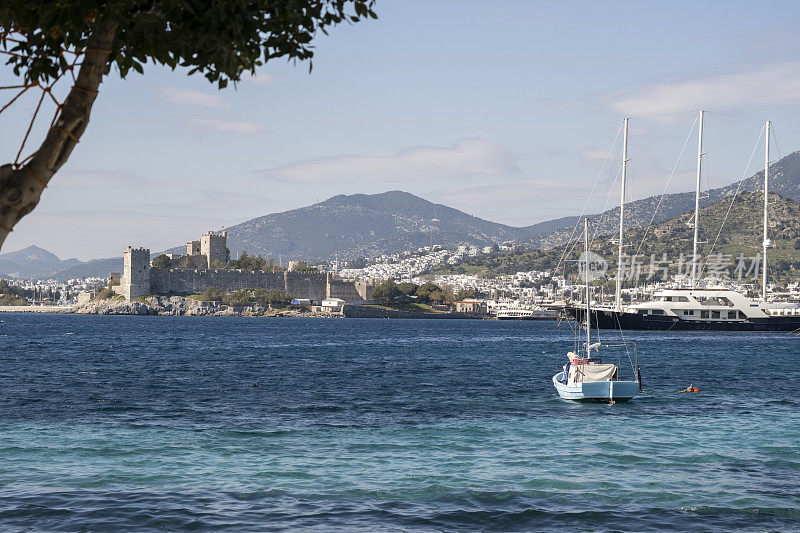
(179, 306)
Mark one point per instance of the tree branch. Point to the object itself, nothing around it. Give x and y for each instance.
(21, 188)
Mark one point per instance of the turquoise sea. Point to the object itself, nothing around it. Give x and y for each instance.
(111, 423)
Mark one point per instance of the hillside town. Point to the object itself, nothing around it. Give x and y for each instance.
(532, 289)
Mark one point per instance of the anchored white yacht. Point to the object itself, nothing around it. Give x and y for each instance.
(697, 308)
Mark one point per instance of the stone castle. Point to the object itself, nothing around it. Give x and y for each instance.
(206, 256)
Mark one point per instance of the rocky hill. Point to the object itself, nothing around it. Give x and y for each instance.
(362, 225)
(31, 262)
(784, 180)
(741, 233)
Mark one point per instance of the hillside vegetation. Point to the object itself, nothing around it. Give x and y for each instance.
(740, 234)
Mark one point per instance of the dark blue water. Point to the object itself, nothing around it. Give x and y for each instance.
(190, 423)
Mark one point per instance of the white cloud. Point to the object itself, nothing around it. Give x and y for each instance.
(773, 84)
(240, 127)
(469, 157)
(178, 95)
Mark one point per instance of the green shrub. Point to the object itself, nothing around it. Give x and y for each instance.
(210, 295)
(186, 262)
(386, 291)
(10, 299)
(272, 298)
(242, 297)
(249, 262)
(162, 261)
(104, 294)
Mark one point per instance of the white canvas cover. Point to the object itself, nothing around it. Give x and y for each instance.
(589, 373)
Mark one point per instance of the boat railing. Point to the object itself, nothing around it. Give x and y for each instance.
(629, 346)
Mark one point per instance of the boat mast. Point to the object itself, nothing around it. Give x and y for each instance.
(586, 276)
(618, 294)
(697, 200)
(766, 216)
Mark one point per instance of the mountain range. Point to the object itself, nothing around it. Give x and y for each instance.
(731, 232)
(32, 261)
(784, 181)
(35, 262)
(361, 225)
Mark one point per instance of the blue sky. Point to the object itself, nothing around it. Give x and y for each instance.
(505, 110)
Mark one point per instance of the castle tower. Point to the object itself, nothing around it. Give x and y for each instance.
(135, 279)
(193, 248)
(215, 247)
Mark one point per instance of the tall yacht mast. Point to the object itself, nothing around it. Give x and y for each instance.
(697, 200)
(766, 216)
(586, 277)
(618, 294)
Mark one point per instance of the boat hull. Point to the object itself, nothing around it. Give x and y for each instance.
(596, 391)
(610, 319)
(551, 318)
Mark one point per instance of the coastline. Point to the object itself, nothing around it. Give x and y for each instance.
(181, 306)
(56, 309)
(166, 306)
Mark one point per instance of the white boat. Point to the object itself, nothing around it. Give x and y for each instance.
(696, 308)
(585, 377)
(519, 313)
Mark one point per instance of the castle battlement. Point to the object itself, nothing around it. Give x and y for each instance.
(139, 279)
(135, 279)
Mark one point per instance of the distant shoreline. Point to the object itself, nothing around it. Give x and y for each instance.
(55, 309)
(107, 307)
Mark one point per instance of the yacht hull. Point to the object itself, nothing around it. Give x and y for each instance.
(596, 391)
(610, 319)
(551, 318)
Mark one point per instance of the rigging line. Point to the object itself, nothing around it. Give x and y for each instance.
(624, 342)
(586, 204)
(735, 194)
(668, 132)
(775, 138)
(664, 115)
(609, 196)
(596, 229)
(583, 211)
(734, 116)
(742, 134)
(666, 187)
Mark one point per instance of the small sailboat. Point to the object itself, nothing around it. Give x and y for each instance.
(585, 377)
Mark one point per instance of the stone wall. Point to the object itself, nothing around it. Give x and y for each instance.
(309, 285)
(179, 281)
(183, 281)
(347, 290)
